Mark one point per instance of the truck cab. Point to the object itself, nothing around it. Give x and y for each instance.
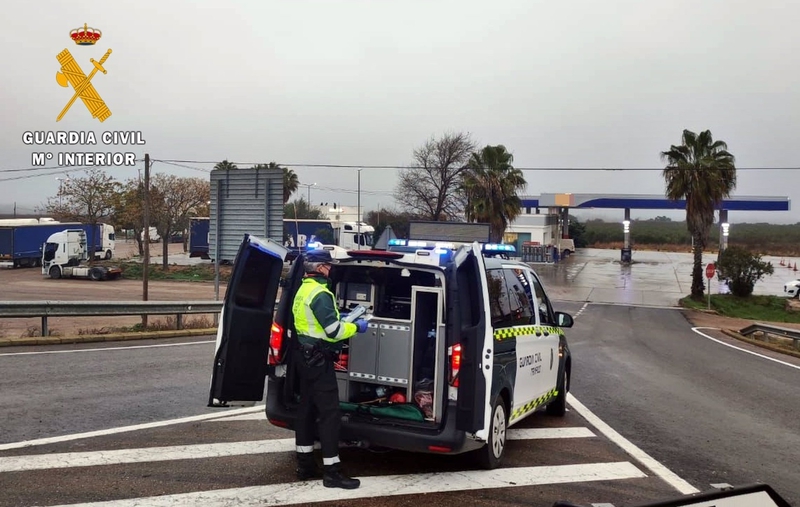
(64, 254)
(462, 343)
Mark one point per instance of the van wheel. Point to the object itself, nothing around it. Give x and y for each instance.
(558, 407)
(55, 272)
(490, 455)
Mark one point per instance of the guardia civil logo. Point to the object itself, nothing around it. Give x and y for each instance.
(71, 74)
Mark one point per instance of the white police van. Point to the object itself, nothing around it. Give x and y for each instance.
(462, 344)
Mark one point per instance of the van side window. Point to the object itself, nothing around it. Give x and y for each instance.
(546, 316)
(500, 308)
(520, 301)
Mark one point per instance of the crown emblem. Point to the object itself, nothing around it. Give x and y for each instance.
(85, 36)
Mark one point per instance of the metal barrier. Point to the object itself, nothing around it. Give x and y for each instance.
(45, 309)
(784, 332)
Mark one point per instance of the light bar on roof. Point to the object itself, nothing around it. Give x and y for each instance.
(497, 247)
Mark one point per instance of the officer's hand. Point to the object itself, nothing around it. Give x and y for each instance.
(362, 325)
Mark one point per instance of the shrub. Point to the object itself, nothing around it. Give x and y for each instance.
(743, 269)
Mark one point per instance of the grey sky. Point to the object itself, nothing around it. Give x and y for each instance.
(561, 84)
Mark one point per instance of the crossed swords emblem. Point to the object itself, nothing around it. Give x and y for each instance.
(72, 74)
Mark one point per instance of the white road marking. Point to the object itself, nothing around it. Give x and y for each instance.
(103, 349)
(124, 429)
(258, 416)
(216, 450)
(645, 459)
(294, 493)
(585, 305)
(545, 433)
(637, 305)
(695, 329)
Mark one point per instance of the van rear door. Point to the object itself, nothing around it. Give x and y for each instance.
(240, 359)
(467, 303)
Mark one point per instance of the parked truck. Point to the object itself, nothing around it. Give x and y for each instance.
(21, 245)
(198, 237)
(65, 254)
(297, 235)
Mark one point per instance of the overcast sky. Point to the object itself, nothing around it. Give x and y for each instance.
(561, 84)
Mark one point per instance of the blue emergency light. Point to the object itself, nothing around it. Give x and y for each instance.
(445, 250)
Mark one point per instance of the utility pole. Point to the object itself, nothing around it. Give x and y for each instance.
(146, 262)
(308, 196)
(359, 210)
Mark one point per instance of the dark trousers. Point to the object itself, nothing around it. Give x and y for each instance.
(319, 398)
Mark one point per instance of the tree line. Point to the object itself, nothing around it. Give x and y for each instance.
(98, 197)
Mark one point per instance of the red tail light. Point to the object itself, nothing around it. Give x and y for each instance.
(275, 342)
(455, 364)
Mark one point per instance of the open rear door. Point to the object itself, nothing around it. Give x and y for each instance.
(240, 359)
(467, 311)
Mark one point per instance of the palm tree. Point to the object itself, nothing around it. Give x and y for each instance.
(491, 185)
(290, 184)
(290, 180)
(703, 172)
(225, 165)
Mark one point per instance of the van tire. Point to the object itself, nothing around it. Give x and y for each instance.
(558, 407)
(491, 455)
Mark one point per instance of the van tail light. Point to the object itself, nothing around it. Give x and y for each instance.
(275, 342)
(455, 363)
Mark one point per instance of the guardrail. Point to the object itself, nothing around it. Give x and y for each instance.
(45, 309)
(784, 332)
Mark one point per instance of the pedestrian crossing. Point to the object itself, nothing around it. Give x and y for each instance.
(533, 460)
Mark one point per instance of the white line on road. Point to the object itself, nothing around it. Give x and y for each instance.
(216, 450)
(645, 459)
(294, 493)
(695, 329)
(124, 429)
(103, 349)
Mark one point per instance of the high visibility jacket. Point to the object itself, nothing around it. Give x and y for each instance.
(316, 317)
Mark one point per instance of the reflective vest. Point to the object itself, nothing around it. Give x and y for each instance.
(322, 321)
(304, 320)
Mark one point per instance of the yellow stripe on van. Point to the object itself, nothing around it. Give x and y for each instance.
(533, 404)
(512, 332)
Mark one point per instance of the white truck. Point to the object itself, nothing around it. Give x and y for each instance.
(299, 234)
(64, 256)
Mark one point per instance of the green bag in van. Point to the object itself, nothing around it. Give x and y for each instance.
(407, 411)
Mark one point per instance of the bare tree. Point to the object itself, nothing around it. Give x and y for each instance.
(87, 200)
(177, 199)
(431, 188)
(129, 209)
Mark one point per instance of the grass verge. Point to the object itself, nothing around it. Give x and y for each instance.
(760, 308)
(196, 273)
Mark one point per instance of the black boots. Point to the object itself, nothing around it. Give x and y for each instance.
(307, 466)
(334, 478)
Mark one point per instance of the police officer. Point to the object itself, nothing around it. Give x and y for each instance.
(320, 335)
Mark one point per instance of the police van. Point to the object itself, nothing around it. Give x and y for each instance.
(462, 343)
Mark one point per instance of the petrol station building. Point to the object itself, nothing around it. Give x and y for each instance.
(545, 218)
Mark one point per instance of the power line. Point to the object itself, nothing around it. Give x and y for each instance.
(367, 166)
(38, 175)
(42, 168)
(182, 163)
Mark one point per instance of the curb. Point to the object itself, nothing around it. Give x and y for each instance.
(111, 337)
(757, 343)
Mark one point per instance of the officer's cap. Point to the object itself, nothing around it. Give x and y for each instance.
(319, 256)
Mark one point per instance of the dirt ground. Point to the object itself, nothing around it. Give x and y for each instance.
(28, 284)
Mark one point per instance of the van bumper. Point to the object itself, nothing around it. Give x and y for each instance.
(443, 440)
